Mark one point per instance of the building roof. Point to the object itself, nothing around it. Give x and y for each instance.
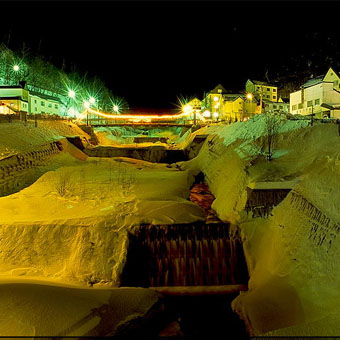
(10, 87)
(284, 100)
(45, 96)
(314, 81)
(264, 83)
(233, 96)
(218, 87)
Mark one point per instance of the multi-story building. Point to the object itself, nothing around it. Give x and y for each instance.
(15, 98)
(282, 105)
(18, 99)
(319, 96)
(261, 89)
(42, 103)
(238, 107)
(227, 106)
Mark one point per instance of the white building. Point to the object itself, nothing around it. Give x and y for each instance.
(14, 98)
(319, 96)
(17, 99)
(42, 103)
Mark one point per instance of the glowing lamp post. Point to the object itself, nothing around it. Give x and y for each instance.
(16, 69)
(92, 100)
(115, 108)
(87, 106)
(187, 110)
(71, 94)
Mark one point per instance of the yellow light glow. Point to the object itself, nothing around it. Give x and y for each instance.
(206, 113)
(215, 114)
(249, 96)
(187, 109)
(136, 118)
(216, 99)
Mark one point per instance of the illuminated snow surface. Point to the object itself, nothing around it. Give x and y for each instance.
(78, 235)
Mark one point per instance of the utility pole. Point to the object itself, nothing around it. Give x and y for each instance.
(261, 94)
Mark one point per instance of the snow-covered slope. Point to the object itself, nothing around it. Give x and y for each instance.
(292, 256)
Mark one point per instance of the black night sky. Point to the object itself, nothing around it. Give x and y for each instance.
(151, 52)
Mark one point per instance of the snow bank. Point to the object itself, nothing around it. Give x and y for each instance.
(47, 310)
(292, 258)
(72, 223)
(16, 137)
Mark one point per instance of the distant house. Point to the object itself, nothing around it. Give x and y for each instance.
(282, 105)
(319, 96)
(237, 107)
(14, 99)
(261, 89)
(228, 106)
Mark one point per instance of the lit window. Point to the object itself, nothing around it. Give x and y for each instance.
(317, 101)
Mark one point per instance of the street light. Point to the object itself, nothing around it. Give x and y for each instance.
(86, 104)
(16, 68)
(92, 100)
(249, 96)
(71, 94)
(115, 108)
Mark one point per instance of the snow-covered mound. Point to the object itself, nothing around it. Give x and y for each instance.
(16, 137)
(292, 256)
(72, 223)
(38, 309)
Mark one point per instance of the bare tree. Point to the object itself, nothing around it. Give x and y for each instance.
(272, 126)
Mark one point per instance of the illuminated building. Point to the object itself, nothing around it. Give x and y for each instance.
(14, 99)
(319, 96)
(262, 90)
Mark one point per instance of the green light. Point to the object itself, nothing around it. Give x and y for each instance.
(115, 108)
(16, 68)
(92, 100)
(71, 94)
(86, 104)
